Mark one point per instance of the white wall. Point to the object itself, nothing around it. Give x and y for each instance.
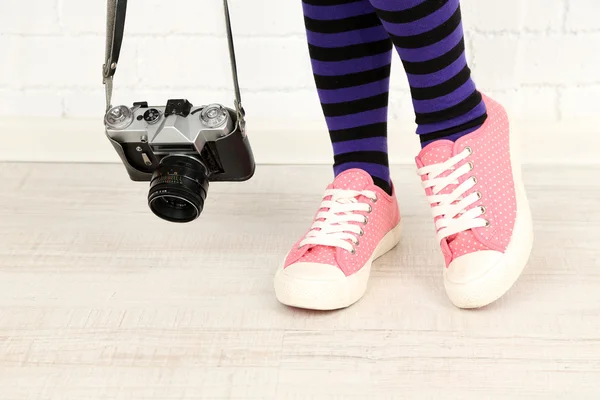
(540, 57)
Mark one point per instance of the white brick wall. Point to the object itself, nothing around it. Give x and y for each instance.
(540, 57)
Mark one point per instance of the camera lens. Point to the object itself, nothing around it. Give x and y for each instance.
(178, 188)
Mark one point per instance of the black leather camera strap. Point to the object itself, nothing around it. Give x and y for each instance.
(115, 28)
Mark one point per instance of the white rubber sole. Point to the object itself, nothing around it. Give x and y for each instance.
(317, 293)
(498, 280)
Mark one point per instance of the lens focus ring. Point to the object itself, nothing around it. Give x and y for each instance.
(178, 189)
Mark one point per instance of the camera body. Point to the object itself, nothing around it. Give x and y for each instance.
(179, 149)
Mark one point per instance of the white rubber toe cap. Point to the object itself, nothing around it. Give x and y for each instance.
(319, 286)
(477, 279)
(314, 272)
(472, 266)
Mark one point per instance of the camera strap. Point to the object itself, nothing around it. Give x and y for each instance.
(115, 28)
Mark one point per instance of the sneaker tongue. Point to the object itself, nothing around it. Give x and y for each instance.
(352, 179)
(436, 152)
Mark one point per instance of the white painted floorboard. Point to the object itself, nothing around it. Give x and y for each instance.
(101, 300)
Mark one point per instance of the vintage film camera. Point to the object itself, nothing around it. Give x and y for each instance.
(179, 148)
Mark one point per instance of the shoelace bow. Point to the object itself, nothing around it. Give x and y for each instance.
(333, 224)
(451, 208)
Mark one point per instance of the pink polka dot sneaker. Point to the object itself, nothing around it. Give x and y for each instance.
(480, 210)
(329, 267)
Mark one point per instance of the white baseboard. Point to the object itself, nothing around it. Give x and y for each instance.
(274, 142)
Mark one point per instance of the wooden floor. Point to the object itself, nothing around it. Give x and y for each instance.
(101, 300)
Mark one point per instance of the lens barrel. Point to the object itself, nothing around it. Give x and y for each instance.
(178, 188)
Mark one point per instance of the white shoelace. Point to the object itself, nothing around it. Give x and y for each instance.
(333, 227)
(452, 207)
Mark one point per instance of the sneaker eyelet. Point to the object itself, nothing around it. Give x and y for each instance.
(469, 150)
(353, 251)
(483, 209)
(471, 166)
(366, 221)
(357, 243)
(361, 233)
(478, 193)
(370, 209)
(487, 223)
(474, 180)
(375, 199)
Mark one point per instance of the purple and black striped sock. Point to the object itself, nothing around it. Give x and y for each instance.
(350, 44)
(351, 55)
(428, 35)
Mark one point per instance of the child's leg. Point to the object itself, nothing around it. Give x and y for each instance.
(428, 35)
(358, 219)
(473, 180)
(351, 54)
